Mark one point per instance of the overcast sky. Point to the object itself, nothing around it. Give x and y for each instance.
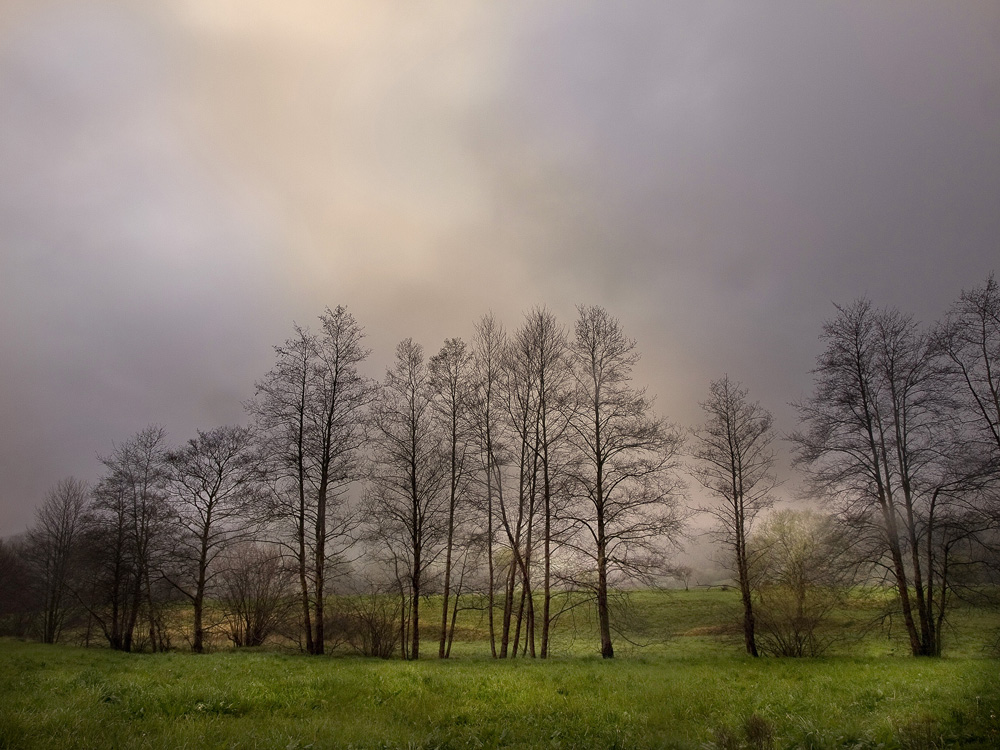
(181, 180)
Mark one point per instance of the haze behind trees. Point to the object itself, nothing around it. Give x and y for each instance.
(531, 462)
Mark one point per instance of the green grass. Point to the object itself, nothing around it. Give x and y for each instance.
(687, 689)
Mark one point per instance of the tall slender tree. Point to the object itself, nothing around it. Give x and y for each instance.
(279, 409)
(734, 460)
(625, 476)
(518, 520)
(53, 545)
(540, 382)
(486, 423)
(408, 494)
(217, 501)
(872, 434)
(311, 410)
(449, 373)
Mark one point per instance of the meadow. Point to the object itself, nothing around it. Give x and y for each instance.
(687, 686)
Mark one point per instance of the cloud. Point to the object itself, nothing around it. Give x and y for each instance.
(183, 179)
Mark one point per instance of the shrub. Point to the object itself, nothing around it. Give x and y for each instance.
(800, 576)
(255, 594)
(369, 623)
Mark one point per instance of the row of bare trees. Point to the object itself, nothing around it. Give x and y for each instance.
(160, 524)
(524, 473)
(532, 453)
(902, 433)
(900, 440)
(515, 471)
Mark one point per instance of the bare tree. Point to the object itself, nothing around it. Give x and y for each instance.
(449, 372)
(969, 340)
(486, 422)
(518, 420)
(873, 433)
(127, 535)
(311, 410)
(683, 574)
(53, 548)
(368, 620)
(544, 341)
(17, 601)
(280, 410)
(734, 462)
(408, 495)
(625, 476)
(255, 592)
(215, 486)
(517, 516)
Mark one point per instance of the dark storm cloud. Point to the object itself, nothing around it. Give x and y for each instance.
(125, 273)
(181, 181)
(742, 166)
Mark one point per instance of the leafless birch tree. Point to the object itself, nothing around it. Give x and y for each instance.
(450, 372)
(873, 434)
(311, 410)
(625, 477)
(734, 461)
(408, 496)
(216, 493)
(53, 549)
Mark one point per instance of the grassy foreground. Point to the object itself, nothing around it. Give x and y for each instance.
(693, 691)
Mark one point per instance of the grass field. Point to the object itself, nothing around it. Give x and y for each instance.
(686, 689)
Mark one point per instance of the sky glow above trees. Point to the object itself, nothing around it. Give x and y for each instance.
(182, 181)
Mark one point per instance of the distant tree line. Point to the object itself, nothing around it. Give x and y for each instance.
(524, 474)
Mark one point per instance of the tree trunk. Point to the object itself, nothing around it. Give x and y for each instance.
(319, 645)
(304, 584)
(547, 582)
(415, 618)
(902, 587)
(508, 609)
(749, 622)
(442, 646)
(198, 642)
(603, 615)
(490, 596)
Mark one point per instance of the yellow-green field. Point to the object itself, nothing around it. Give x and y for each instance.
(688, 688)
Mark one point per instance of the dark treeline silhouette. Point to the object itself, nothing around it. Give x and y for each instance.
(523, 474)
